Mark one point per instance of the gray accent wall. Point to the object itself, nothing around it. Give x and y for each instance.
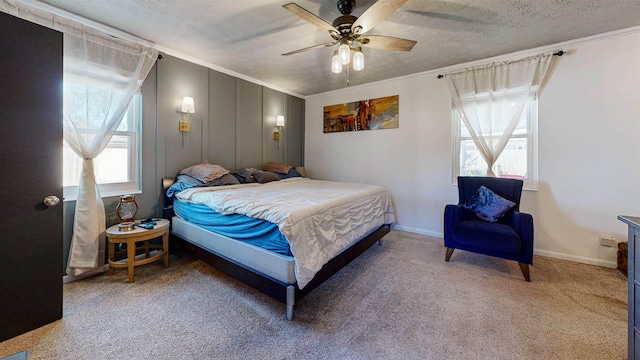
(273, 104)
(294, 131)
(233, 123)
(177, 79)
(148, 200)
(221, 131)
(248, 124)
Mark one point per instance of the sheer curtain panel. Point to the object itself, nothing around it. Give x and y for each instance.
(101, 76)
(491, 100)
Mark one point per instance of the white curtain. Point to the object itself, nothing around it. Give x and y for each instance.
(491, 99)
(101, 76)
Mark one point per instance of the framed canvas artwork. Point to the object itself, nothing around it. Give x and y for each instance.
(372, 114)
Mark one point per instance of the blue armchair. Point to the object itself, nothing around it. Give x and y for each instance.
(510, 237)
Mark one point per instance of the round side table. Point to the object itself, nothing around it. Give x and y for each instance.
(131, 238)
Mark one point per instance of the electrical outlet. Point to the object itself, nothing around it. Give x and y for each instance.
(607, 240)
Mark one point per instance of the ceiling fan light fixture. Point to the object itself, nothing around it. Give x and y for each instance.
(358, 59)
(349, 32)
(336, 64)
(344, 51)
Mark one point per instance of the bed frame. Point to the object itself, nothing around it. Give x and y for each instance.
(284, 291)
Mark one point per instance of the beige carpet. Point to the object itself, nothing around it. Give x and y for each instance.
(396, 301)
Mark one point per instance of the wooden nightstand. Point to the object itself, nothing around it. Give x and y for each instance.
(115, 236)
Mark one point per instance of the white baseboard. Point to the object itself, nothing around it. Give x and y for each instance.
(418, 231)
(99, 270)
(579, 259)
(545, 253)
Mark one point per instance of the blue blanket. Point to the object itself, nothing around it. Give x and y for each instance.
(258, 232)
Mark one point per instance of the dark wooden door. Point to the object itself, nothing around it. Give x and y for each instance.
(31, 267)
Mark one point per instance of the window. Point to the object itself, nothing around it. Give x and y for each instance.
(117, 167)
(517, 160)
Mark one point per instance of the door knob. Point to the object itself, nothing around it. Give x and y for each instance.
(51, 200)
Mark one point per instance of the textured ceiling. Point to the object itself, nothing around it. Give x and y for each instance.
(249, 36)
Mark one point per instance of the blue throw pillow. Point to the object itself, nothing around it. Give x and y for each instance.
(292, 173)
(487, 205)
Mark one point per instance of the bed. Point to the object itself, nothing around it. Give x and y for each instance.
(283, 236)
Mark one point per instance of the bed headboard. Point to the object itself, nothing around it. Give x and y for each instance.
(166, 182)
(167, 209)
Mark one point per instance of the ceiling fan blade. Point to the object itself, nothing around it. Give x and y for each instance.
(309, 17)
(375, 14)
(386, 43)
(311, 48)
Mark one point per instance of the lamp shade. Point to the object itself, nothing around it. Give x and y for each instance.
(344, 51)
(336, 64)
(187, 105)
(358, 60)
(280, 120)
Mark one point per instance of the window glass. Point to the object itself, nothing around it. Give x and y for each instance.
(517, 160)
(116, 168)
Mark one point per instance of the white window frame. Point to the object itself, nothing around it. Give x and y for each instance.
(135, 174)
(531, 181)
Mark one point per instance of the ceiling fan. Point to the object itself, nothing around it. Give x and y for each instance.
(349, 31)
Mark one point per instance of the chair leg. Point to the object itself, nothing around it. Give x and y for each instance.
(525, 270)
(447, 256)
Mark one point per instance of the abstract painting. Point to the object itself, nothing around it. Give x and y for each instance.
(372, 114)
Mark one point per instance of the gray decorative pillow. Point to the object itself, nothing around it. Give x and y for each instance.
(204, 171)
(226, 179)
(247, 174)
(265, 176)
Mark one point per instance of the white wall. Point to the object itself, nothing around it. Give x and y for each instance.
(589, 148)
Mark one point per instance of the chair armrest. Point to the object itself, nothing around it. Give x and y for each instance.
(523, 224)
(453, 212)
(452, 215)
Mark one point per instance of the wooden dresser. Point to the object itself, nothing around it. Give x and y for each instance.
(634, 285)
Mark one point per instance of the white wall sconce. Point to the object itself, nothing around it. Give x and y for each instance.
(279, 124)
(188, 107)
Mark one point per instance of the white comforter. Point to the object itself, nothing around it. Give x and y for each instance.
(319, 218)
